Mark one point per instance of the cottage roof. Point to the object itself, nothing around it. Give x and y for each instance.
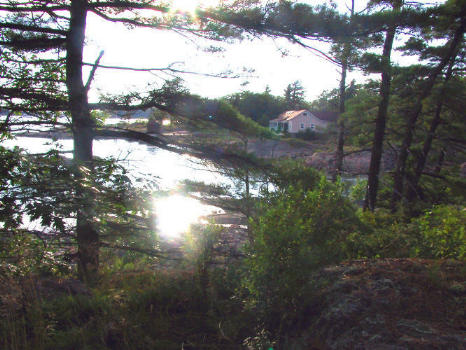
(325, 115)
(322, 115)
(288, 115)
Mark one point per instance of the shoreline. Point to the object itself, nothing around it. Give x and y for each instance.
(313, 154)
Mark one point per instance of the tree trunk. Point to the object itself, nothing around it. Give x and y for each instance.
(400, 168)
(413, 188)
(380, 121)
(247, 186)
(83, 128)
(440, 161)
(339, 154)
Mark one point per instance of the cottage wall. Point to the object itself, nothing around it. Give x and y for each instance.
(305, 120)
(299, 123)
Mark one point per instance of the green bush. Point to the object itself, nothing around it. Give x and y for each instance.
(438, 234)
(442, 232)
(308, 135)
(383, 235)
(291, 172)
(297, 232)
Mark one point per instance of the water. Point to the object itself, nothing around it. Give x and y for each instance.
(139, 159)
(143, 161)
(146, 162)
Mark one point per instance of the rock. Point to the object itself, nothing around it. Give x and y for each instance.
(356, 163)
(390, 304)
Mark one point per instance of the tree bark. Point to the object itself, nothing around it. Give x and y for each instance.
(248, 195)
(83, 129)
(339, 154)
(380, 121)
(440, 160)
(400, 168)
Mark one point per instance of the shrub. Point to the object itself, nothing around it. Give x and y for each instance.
(298, 231)
(383, 235)
(442, 233)
(438, 234)
(308, 135)
(291, 172)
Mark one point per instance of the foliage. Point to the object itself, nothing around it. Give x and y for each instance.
(442, 233)
(38, 199)
(299, 230)
(260, 107)
(326, 101)
(305, 223)
(294, 95)
(290, 172)
(380, 237)
(437, 234)
(139, 310)
(24, 254)
(199, 250)
(358, 190)
(25, 189)
(308, 135)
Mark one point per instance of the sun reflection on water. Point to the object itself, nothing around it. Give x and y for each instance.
(174, 214)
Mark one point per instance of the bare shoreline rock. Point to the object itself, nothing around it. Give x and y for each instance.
(391, 304)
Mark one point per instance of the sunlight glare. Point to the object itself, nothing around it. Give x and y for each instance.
(190, 6)
(176, 213)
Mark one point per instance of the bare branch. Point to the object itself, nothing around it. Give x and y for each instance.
(92, 73)
(166, 69)
(317, 51)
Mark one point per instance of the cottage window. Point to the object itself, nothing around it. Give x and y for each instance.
(302, 126)
(313, 126)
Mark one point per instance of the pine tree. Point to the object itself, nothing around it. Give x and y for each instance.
(345, 52)
(449, 52)
(380, 121)
(35, 83)
(294, 95)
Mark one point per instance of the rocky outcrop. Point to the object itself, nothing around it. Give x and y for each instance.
(356, 163)
(278, 148)
(391, 304)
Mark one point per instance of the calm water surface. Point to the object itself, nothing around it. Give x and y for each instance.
(177, 212)
(140, 159)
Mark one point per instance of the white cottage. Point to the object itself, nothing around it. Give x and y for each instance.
(296, 121)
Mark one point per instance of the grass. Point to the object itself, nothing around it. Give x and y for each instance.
(144, 310)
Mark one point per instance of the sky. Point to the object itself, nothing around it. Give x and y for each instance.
(275, 63)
